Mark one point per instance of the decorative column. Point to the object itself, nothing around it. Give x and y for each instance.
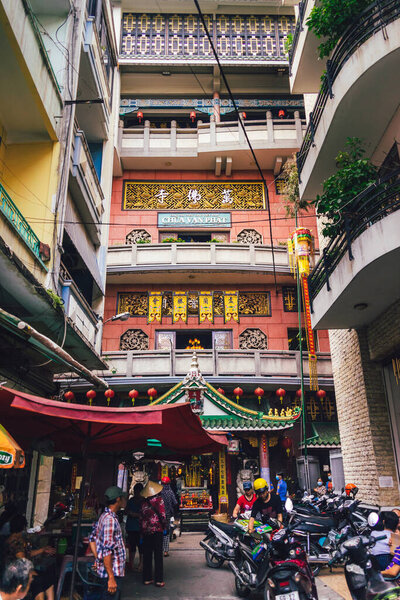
(216, 107)
(264, 458)
(223, 492)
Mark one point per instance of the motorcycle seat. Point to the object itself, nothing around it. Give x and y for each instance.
(309, 527)
(225, 527)
(325, 520)
(381, 587)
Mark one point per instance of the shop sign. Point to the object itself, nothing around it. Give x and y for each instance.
(171, 220)
(5, 458)
(233, 446)
(223, 494)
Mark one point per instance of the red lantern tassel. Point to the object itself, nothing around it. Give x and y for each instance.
(312, 357)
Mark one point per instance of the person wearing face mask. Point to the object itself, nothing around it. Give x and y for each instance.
(281, 489)
(320, 490)
(329, 484)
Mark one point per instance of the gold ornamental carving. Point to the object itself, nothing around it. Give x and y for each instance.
(255, 304)
(139, 195)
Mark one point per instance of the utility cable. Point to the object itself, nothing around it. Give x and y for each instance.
(240, 122)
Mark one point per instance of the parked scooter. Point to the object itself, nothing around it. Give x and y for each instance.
(364, 581)
(219, 541)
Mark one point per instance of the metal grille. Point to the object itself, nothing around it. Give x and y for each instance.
(247, 37)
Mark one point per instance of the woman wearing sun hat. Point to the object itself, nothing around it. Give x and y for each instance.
(153, 522)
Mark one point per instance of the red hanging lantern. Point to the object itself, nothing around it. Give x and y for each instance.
(287, 444)
(221, 391)
(281, 114)
(90, 395)
(140, 115)
(192, 115)
(133, 394)
(238, 392)
(298, 393)
(109, 394)
(69, 396)
(244, 116)
(259, 392)
(281, 393)
(321, 394)
(152, 393)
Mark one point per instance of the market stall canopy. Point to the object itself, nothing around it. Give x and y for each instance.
(32, 419)
(11, 454)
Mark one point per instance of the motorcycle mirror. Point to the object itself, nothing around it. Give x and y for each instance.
(373, 518)
(289, 505)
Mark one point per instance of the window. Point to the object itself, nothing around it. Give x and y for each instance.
(289, 299)
(293, 339)
(195, 236)
(203, 339)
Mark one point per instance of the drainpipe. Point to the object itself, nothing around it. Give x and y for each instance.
(48, 343)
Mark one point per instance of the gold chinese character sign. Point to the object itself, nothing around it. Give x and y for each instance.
(155, 307)
(179, 195)
(180, 307)
(206, 307)
(231, 306)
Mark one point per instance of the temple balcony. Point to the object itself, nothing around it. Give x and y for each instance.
(169, 263)
(366, 58)
(85, 186)
(267, 367)
(358, 277)
(210, 145)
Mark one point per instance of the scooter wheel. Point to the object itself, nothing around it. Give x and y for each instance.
(241, 590)
(213, 561)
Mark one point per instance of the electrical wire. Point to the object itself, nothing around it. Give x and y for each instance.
(240, 122)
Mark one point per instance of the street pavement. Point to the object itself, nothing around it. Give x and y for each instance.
(187, 577)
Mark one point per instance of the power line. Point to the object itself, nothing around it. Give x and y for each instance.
(240, 122)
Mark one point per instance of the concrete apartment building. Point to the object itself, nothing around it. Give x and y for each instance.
(355, 286)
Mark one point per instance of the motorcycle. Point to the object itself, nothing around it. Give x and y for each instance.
(364, 581)
(322, 535)
(290, 576)
(219, 541)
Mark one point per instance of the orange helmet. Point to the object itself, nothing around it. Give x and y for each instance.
(351, 488)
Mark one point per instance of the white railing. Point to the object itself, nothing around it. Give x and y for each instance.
(243, 363)
(195, 255)
(266, 133)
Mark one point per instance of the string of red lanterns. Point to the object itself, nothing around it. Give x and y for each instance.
(109, 394)
(259, 392)
(69, 396)
(91, 395)
(281, 393)
(238, 392)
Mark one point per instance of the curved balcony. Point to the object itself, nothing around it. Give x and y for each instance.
(218, 366)
(359, 94)
(358, 275)
(177, 263)
(145, 146)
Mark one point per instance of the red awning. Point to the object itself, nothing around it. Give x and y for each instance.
(29, 418)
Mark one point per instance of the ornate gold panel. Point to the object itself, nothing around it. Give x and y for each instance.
(134, 302)
(180, 195)
(255, 304)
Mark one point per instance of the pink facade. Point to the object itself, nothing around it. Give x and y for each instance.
(123, 222)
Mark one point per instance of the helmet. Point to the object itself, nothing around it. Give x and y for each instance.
(247, 485)
(260, 485)
(165, 480)
(351, 488)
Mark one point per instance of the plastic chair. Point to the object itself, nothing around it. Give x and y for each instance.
(66, 567)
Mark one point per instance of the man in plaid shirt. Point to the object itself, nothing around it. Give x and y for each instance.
(110, 548)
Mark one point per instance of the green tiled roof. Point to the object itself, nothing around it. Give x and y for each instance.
(325, 435)
(234, 423)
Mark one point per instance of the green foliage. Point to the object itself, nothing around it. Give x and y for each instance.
(329, 19)
(55, 299)
(143, 242)
(290, 189)
(173, 240)
(354, 174)
(215, 241)
(288, 43)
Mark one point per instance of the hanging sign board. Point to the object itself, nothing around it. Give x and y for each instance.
(199, 220)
